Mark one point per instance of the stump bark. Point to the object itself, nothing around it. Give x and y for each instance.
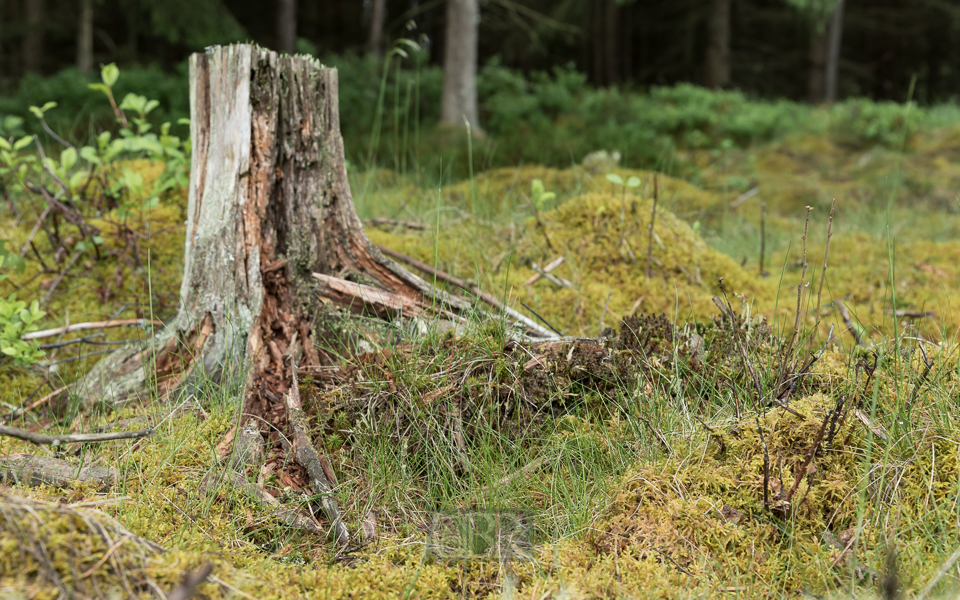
(269, 206)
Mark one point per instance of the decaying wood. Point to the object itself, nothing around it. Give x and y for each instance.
(365, 299)
(32, 470)
(310, 460)
(473, 289)
(43, 440)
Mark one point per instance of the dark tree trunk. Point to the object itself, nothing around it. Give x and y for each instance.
(716, 69)
(611, 47)
(133, 29)
(287, 26)
(376, 27)
(85, 37)
(460, 64)
(33, 36)
(833, 52)
(816, 79)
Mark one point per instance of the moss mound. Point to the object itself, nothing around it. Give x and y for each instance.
(704, 513)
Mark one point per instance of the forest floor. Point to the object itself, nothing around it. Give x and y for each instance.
(700, 438)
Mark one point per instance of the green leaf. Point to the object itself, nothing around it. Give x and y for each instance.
(5, 144)
(183, 121)
(23, 142)
(47, 106)
(100, 87)
(536, 188)
(109, 74)
(36, 112)
(76, 179)
(151, 104)
(11, 122)
(633, 182)
(68, 158)
(88, 154)
(614, 178)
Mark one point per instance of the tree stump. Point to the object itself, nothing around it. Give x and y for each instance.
(269, 206)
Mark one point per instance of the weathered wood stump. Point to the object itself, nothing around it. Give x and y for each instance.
(269, 206)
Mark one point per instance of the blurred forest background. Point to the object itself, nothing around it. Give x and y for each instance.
(767, 48)
(555, 79)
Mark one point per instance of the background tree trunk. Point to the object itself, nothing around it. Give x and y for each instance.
(816, 79)
(611, 47)
(85, 37)
(287, 26)
(716, 68)
(33, 36)
(133, 29)
(460, 64)
(376, 27)
(833, 53)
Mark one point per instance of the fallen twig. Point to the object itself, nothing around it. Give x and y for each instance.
(545, 322)
(553, 264)
(63, 273)
(851, 326)
(25, 409)
(557, 281)
(55, 440)
(36, 335)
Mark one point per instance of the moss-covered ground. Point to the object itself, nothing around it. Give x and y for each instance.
(652, 461)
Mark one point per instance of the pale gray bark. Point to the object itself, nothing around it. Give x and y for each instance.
(85, 37)
(833, 53)
(717, 64)
(377, 19)
(459, 100)
(287, 26)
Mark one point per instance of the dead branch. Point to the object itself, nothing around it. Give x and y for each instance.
(557, 281)
(550, 267)
(36, 335)
(362, 298)
(63, 273)
(32, 470)
(25, 409)
(33, 232)
(469, 287)
(851, 326)
(806, 462)
(56, 440)
(289, 515)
